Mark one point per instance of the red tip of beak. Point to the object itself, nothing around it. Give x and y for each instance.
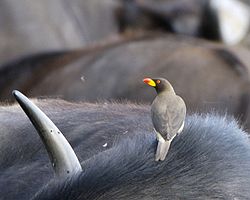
(146, 80)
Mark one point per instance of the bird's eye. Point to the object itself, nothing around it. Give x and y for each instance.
(158, 81)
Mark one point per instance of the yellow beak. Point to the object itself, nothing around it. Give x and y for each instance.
(149, 81)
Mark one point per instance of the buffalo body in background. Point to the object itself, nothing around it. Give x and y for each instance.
(208, 76)
(42, 25)
(45, 26)
(210, 19)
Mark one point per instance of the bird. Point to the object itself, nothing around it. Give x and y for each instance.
(168, 112)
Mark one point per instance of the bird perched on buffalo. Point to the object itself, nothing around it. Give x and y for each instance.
(168, 112)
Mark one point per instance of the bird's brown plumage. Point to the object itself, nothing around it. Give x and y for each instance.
(168, 112)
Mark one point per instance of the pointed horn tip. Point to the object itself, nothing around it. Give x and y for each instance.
(15, 93)
(18, 96)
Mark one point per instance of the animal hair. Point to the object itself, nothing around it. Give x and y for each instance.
(210, 159)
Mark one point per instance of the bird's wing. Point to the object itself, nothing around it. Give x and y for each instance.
(176, 113)
(170, 118)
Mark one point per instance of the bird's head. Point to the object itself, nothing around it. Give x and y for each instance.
(160, 84)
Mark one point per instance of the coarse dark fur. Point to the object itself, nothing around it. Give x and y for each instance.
(209, 160)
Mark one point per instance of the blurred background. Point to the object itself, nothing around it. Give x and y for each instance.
(92, 50)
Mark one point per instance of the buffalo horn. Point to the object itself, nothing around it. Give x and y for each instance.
(62, 156)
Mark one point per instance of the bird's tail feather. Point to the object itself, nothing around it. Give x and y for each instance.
(162, 150)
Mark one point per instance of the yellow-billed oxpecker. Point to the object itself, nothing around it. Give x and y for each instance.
(168, 112)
